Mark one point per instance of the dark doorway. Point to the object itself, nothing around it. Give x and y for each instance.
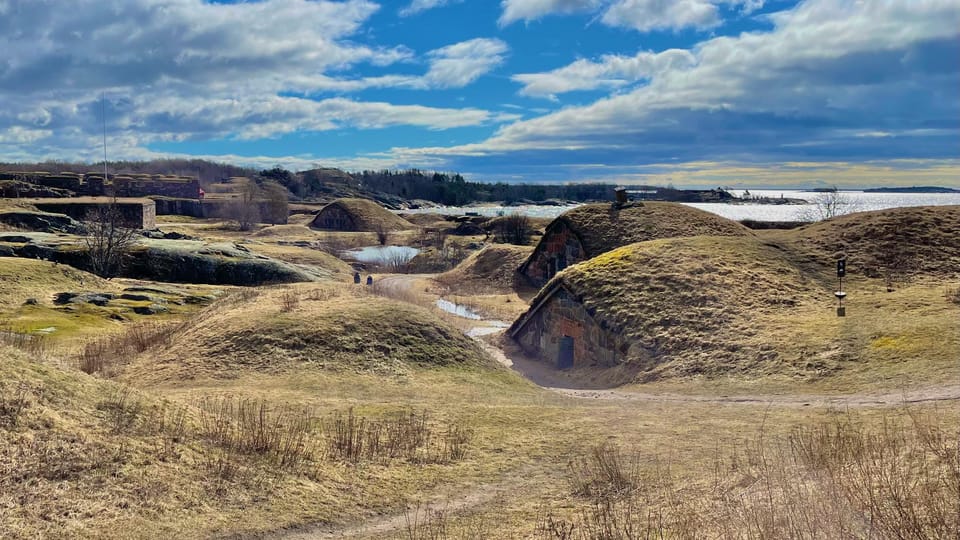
(565, 358)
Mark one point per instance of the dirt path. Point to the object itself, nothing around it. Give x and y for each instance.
(416, 514)
(550, 379)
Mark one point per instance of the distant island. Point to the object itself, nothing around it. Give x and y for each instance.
(914, 189)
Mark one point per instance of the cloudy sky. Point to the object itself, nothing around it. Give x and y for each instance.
(689, 92)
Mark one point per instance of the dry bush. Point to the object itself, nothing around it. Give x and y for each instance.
(952, 294)
(123, 409)
(323, 294)
(840, 479)
(383, 234)
(106, 354)
(289, 301)
(604, 473)
(426, 523)
(33, 344)
(403, 436)
(249, 426)
(14, 400)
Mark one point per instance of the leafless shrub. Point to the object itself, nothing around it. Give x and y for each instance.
(383, 234)
(249, 426)
(123, 409)
(952, 294)
(108, 240)
(244, 208)
(322, 294)
(425, 523)
(838, 479)
(105, 354)
(604, 473)
(33, 344)
(289, 301)
(828, 204)
(14, 399)
(395, 262)
(169, 422)
(513, 229)
(402, 436)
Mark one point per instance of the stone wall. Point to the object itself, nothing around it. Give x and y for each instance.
(122, 185)
(164, 186)
(558, 249)
(334, 218)
(138, 213)
(562, 315)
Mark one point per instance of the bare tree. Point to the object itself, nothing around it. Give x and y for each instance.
(514, 229)
(277, 202)
(108, 240)
(828, 204)
(383, 234)
(245, 208)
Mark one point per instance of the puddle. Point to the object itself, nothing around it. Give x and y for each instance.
(382, 254)
(458, 310)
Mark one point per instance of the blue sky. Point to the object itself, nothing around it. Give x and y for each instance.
(741, 93)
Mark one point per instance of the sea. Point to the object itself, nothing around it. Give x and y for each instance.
(855, 201)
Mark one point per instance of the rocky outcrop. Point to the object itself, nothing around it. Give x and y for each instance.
(41, 222)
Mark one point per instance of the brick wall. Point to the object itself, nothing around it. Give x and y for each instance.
(557, 250)
(562, 315)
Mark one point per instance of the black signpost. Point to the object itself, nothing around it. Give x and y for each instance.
(841, 271)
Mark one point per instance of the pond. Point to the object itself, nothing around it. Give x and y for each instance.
(381, 254)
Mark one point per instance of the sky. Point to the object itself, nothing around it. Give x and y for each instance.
(693, 93)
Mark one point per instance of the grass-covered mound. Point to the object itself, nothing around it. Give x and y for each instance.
(489, 271)
(690, 305)
(898, 241)
(365, 215)
(276, 330)
(603, 226)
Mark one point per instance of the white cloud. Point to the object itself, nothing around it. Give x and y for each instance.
(641, 15)
(417, 6)
(21, 135)
(460, 64)
(611, 71)
(827, 65)
(528, 10)
(176, 70)
(646, 15)
(453, 66)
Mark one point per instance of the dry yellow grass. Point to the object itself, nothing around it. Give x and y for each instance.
(491, 270)
(337, 328)
(911, 241)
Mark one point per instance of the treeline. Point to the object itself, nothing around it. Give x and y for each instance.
(324, 183)
(207, 171)
(453, 189)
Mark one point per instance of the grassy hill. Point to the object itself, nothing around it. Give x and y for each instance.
(726, 308)
(491, 270)
(899, 241)
(368, 215)
(311, 327)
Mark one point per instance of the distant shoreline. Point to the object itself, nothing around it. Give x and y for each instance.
(915, 189)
